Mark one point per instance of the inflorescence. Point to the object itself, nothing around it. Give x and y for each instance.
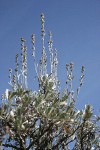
(19, 78)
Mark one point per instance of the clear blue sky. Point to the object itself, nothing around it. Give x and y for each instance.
(75, 25)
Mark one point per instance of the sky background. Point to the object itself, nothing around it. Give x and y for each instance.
(75, 25)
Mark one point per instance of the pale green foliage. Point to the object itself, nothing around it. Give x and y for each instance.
(45, 119)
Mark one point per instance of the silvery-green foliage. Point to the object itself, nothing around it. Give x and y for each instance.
(45, 119)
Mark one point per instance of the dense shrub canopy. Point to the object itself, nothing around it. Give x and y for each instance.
(45, 119)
